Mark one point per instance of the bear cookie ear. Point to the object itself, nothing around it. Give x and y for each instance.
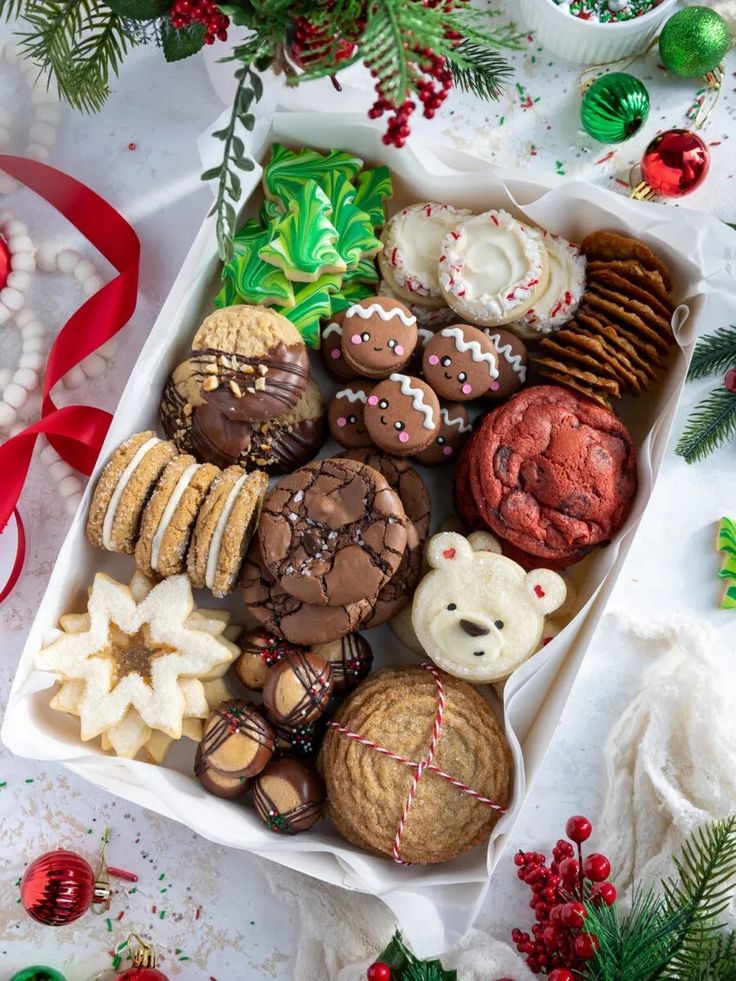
(447, 549)
(484, 541)
(547, 590)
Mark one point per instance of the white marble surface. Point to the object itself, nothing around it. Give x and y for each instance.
(241, 932)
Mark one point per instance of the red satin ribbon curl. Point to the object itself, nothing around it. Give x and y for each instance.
(76, 431)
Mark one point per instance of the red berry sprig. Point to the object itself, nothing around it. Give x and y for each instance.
(558, 944)
(186, 12)
(378, 971)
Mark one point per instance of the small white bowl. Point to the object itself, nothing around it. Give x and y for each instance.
(588, 42)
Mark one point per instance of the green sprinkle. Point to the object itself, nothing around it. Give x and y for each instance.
(29, 779)
(109, 925)
(177, 950)
(165, 889)
(121, 946)
(519, 88)
(3, 783)
(162, 914)
(502, 120)
(183, 957)
(131, 891)
(116, 961)
(534, 59)
(162, 876)
(560, 167)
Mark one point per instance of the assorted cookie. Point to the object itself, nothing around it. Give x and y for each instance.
(402, 415)
(378, 336)
(346, 416)
(460, 363)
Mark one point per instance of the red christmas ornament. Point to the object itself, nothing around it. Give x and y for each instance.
(674, 164)
(4, 262)
(142, 974)
(144, 963)
(730, 380)
(378, 971)
(60, 886)
(578, 828)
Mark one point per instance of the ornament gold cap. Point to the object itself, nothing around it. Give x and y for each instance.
(102, 892)
(144, 955)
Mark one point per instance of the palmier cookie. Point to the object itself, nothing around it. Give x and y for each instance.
(563, 294)
(333, 532)
(331, 349)
(226, 522)
(288, 797)
(249, 362)
(493, 268)
(350, 658)
(124, 487)
(454, 430)
(378, 336)
(460, 363)
(367, 790)
(512, 360)
(237, 741)
(281, 613)
(402, 415)
(346, 415)
(259, 651)
(297, 689)
(170, 516)
(412, 241)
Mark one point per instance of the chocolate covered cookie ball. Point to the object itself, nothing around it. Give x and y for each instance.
(289, 796)
(237, 740)
(297, 689)
(350, 658)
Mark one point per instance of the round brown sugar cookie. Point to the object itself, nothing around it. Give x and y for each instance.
(555, 474)
(237, 741)
(226, 522)
(332, 533)
(123, 489)
(283, 614)
(220, 784)
(170, 515)
(459, 362)
(331, 349)
(346, 415)
(402, 415)
(350, 658)
(250, 362)
(379, 335)
(455, 428)
(260, 650)
(297, 689)
(288, 797)
(367, 791)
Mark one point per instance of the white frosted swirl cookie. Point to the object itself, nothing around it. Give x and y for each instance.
(492, 268)
(412, 240)
(564, 292)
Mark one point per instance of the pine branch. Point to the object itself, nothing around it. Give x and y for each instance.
(711, 424)
(478, 69)
(718, 962)
(714, 354)
(12, 9)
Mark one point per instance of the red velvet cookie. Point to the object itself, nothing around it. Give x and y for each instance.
(402, 415)
(553, 473)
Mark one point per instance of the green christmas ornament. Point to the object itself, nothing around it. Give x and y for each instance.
(694, 42)
(38, 973)
(614, 107)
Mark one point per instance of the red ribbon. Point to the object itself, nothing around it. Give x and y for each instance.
(76, 431)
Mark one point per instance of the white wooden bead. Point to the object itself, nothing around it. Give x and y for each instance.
(37, 152)
(8, 415)
(93, 366)
(12, 55)
(8, 184)
(15, 395)
(60, 469)
(20, 242)
(69, 485)
(92, 285)
(31, 359)
(109, 349)
(26, 378)
(43, 133)
(24, 261)
(49, 455)
(13, 299)
(71, 504)
(67, 260)
(14, 226)
(42, 96)
(50, 113)
(19, 280)
(4, 137)
(24, 316)
(33, 344)
(5, 375)
(84, 270)
(5, 314)
(34, 328)
(74, 378)
(46, 255)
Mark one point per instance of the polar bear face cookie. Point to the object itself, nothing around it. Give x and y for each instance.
(478, 614)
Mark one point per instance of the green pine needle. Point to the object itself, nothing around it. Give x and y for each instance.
(711, 424)
(478, 69)
(714, 354)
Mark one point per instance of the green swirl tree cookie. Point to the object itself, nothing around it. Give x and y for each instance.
(255, 280)
(312, 303)
(355, 238)
(287, 171)
(372, 187)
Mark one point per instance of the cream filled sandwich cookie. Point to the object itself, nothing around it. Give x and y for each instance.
(412, 241)
(561, 299)
(493, 268)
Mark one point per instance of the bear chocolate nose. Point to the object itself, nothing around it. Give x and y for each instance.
(473, 629)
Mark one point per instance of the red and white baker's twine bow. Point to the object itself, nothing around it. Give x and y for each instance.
(427, 763)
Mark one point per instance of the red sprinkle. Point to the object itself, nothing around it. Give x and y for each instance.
(606, 157)
(121, 874)
(121, 914)
(198, 913)
(495, 220)
(132, 146)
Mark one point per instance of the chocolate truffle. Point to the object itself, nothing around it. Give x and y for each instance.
(218, 783)
(289, 796)
(237, 741)
(350, 658)
(297, 689)
(260, 650)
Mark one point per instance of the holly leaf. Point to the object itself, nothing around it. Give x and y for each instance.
(139, 9)
(181, 43)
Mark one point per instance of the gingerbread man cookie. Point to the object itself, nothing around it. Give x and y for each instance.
(454, 429)
(511, 360)
(402, 415)
(460, 363)
(331, 349)
(378, 336)
(346, 416)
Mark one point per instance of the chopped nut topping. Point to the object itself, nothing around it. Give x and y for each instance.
(261, 462)
(247, 369)
(262, 369)
(260, 384)
(235, 389)
(251, 390)
(210, 384)
(188, 408)
(224, 361)
(210, 368)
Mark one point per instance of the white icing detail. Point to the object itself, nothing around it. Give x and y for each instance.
(412, 240)
(476, 354)
(514, 360)
(216, 543)
(561, 299)
(464, 427)
(425, 336)
(168, 512)
(352, 396)
(122, 483)
(332, 328)
(417, 399)
(365, 313)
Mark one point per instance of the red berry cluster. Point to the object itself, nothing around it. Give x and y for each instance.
(186, 12)
(558, 943)
(309, 42)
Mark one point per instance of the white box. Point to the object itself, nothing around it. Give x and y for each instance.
(437, 904)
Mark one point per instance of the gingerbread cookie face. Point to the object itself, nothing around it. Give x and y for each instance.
(512, 360)
(298, 689)
(378, 336)
(460, 363)
(346, 416)
(402, 415)
(455, 428)
(237, 741)
(331, 349)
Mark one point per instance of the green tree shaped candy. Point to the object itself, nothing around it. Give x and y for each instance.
(303, 241)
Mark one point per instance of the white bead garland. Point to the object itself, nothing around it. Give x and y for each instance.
(69, 487)
(22, 253)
